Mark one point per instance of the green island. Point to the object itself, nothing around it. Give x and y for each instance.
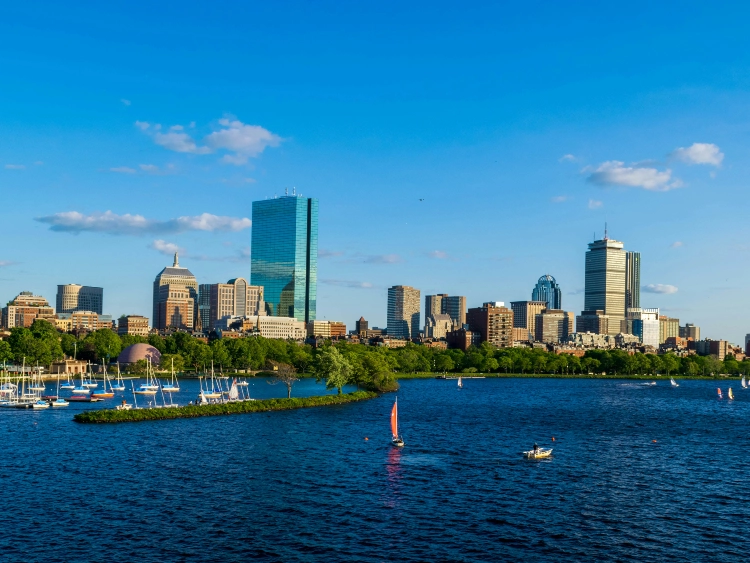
(193, 411)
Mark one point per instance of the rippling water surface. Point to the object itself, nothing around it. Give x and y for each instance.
(639, 473)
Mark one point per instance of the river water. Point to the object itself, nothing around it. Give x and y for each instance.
(639, 473)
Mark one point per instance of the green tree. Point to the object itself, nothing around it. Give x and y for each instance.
(443, 363)
(333, 367)
(220, 354)
(167, 359)
(6, 353)
(670, 363)
(287, 375)
(106, 344)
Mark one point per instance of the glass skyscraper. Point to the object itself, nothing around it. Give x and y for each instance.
(547, 290)
(284, 257)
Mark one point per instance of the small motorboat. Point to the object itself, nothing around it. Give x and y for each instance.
(124, 406)
(538, 454)
(59, 403)
(39, 404)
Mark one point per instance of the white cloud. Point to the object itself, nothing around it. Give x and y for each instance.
(560, 198)
(676, 244)
(383, 259)
(125, 102)
(38, 163)
(6, 263)
(15, 167)
(323, 253)
(615, 173)
(348, 283)
(699, 153)
(149, 167)
(165, 247)
(241, 141)
(123, 170)
(567, 158)
(660, 288)
(179, 142)
(127, 224)
(439, 254)
(595, 204)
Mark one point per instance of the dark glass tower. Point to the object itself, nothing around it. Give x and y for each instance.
(547, 290)
(285, 255)
(632, 280)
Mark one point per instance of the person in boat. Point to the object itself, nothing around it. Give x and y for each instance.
(536, 448)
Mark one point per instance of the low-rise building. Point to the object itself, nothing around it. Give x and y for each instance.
(82, 320)
(437, 325)
(326, 329)
(462, 339)
(286, 328)
(595, 322)
(25, 309)
(135, 325)
(552, 326)
(493, 322)
(710, 347)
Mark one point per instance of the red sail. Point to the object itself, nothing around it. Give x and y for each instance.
(394, 420)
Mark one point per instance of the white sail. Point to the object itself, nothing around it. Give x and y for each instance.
(233, 393)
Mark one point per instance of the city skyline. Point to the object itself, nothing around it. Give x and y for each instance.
(106, 173)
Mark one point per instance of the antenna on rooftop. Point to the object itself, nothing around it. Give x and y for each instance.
(286, 191)
(294, 191)
(605, 231)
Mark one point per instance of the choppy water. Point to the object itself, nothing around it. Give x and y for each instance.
(305, 485)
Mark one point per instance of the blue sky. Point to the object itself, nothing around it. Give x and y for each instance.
(130, 129)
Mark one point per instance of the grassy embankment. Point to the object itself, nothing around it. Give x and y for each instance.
(429, 375)
(192, 411)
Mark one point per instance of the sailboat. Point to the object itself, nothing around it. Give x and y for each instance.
(744, 382)
(673, 382)
(36, 380)
(396, 440)
(213, 393)
(460, 383)
(90, 383)
(719, 392)
(234, 394)
(173, 386)
(730, 394)
(104, 393)
(119, 384)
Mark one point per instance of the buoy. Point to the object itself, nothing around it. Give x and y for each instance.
(654, 441)
(553, 438)
(366, 438)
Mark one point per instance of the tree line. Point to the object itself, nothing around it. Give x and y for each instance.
(42, 344)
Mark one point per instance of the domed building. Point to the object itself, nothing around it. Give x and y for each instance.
(548, 291)
(137, 352)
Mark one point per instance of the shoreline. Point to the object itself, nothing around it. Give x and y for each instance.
(104, 416)
(494, 375)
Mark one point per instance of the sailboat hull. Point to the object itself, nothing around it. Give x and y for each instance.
(103, 395)
(397, 442)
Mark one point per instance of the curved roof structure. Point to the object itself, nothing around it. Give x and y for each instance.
(139, 351)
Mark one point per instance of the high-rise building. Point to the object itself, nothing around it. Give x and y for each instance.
(525, 314)
(645, 325)
(690, 332)
(632, 280)
(25, 309)
(73, 297)
(493, 322)
(552, 326)
(204, 306)
(443, 304)
(284, 258)
(177, 277)
(403, 311)
(547, 290)
(668, 327)
(175, 308)
(605, 281)
(236, 298)
(361, 326)
(593, 321)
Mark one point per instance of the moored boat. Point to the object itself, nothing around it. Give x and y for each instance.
(538, 453)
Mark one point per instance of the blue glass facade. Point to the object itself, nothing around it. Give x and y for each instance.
(284, 257)
(547, 290)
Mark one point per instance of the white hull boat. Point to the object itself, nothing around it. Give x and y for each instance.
(538, 454)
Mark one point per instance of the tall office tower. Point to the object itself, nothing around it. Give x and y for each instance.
(690, 331)
(493, 322)
(605, 280)
(632, 280)
(73, 297)
(547, 290)
(455, 307)
(525, 314)
(552, 326)
(175, 307)
(668, 327)
(204, 306)
(433, 305)
(361, 325)
(284, 257)
(176, 276)
(403, 312)
(236, 298)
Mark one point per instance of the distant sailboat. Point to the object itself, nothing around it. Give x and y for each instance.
(730, 394)
(104, 393)
(719, 392)
(119, 384)
(673, 382)
(173, 386)
(744, 382)
(396, 440)
(460, 383)
(234, 394)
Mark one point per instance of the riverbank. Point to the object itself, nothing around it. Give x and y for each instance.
(192, 411)
(429, 375)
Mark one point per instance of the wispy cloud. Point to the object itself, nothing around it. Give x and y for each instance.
(382, 259)
(165, 247)
(616, 173)
(559, 198)
(676, 244)
(439, 255)
(577, 291)
(127, 224)
(660, 288)
(595, 204)
(15, 167)
(348, 283)
(149, 167)
(323, 253)
(699, 153)
(123, 170)
(125, 102)
(567, 158)
(239, 140)
(6, 263)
